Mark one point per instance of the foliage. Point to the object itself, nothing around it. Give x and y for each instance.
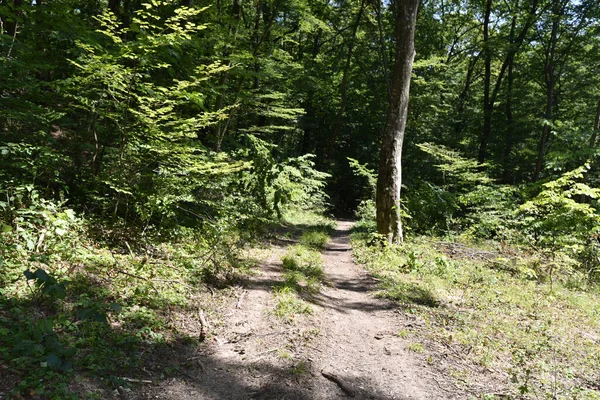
(496, 318)
(145, 143)
(556, 218)
(466, 199)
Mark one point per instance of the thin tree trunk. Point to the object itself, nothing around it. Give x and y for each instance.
(221, 126)
(384, 57)
(389, 179)
(339, 118)
(596, 126)
(490, 95)
(586, 176)
(462, 98)
(550, 80)
(506, 172)
(487, 79)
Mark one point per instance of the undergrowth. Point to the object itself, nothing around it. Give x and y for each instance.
(79, 298)
(86, 306)
(493, 308)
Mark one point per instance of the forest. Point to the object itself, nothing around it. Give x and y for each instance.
(153, 150)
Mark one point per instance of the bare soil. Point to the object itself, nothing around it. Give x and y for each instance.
(348, 347)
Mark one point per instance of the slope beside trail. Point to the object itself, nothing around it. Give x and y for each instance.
(348, 347)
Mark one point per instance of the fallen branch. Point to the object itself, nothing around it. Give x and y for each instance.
(263, 354)
(134, 380)
(239, 302)
(348, 391)
(203, 322)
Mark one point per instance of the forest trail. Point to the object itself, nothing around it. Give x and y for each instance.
(360, 340)
(348, 347)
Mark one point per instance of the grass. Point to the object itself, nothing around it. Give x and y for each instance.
(289, 305)
(315, 239)
(302, 266)
(544, 336)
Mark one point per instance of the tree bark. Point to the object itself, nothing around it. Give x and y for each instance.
(384, 58)
(462, 98)
(596, 126)
(487, 79)
(506, 159)
(550, 81)
(490, 95)
(389, 179)
(339, 118)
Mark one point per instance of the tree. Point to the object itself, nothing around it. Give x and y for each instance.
(389, 180)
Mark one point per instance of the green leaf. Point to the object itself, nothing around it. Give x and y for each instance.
(42, 275)
(29, 275)
(53, 361)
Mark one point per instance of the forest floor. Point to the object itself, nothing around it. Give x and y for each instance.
(347, 346)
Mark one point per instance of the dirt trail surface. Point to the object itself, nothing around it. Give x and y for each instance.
(348, 347)
(360, 334)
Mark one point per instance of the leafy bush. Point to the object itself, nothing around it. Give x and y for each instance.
(562, 228)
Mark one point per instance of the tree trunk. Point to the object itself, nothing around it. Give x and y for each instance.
(389, 179)
(383, 50)
(506, 168)
(596, 126)
(489, 95)
(339, 118)
(462, 98)
(488, 107)
(506, 159)
(550, 80)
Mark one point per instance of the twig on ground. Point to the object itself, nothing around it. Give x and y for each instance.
(133, 380)
(263, 354)
(239, 302)
(212, 292)
(203, 322)
(341, 384)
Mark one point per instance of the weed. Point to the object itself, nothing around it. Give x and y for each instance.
(315, 239)
(403, 333)
(289, 304)
(416, 347)
(300, 369)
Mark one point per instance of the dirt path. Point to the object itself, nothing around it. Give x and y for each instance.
(360, 334)
(352, 337)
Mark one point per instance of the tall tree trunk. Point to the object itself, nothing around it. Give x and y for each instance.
(550, 81)
(596, 126)
(384, 57)
(489, 95)
(586, 176)
(462, 98)
(506, 167)
(220, 127)
(488, 107)
(389, 179)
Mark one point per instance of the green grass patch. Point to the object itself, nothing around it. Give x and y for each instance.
(304, 260)
(289, 304)
(303, 275)
(315, 239)
(302, 264)
(544, 334)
